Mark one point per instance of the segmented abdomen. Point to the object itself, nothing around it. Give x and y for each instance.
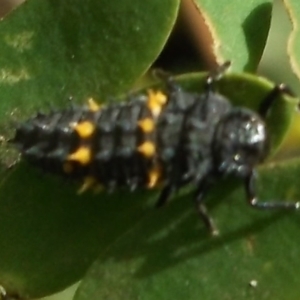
(108, 146)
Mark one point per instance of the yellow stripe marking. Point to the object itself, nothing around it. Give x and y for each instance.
(88, 182)
(93, 105)
(147, 125)
(154, 176)
(147, 149)
(156, 100)
(82, 155)
(85, 129)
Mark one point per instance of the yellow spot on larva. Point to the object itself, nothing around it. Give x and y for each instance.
(147, 125)
(147, 149)
(93, 105)
(88, 183)
(84, 129)
(154, 176)
(68, 168)
(156, 100)
(82, 155)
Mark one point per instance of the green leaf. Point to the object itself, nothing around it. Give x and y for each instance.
(170, 255)
(50, 51)
(293, 47)
(239, 30)
(52, 235)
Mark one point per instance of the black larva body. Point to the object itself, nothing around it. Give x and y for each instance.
(48, 140)
(184, 136)
(157, 140)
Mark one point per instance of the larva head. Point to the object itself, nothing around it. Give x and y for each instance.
(240, 142)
